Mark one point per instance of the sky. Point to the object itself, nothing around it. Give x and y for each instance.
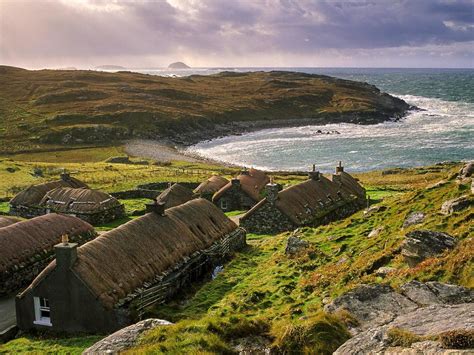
(237, 33)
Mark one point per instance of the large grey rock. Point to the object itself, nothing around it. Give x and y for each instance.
(436, 293)
(467, 170)
(125, 338)
(422, 244)
(458, 204)
(425, 321)
(295, 245)
(414, 218)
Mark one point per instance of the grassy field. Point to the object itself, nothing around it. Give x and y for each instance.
(264, 293)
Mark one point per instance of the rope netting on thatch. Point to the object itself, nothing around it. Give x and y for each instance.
(175, 195)
(33, 195)
(7, 220)
(252, 182)
(211, 185)
(70, 200)
(23, 240)
(119, 261)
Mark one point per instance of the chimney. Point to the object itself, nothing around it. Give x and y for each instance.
(156, 207)
(339, 168)
(272, 192)
(245, 172)
(66, 253)
(65, 176)
(235, 182)
(314, 175)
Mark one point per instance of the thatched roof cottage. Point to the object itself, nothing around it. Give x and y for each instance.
(26, 203)
(175, 195)
(7, 220)
(115, 276)
(208, 188)
(93, 206)
(313, 202)
(27, 247)
(242, 192)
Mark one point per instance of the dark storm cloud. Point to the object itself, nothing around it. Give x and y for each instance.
(109, 29)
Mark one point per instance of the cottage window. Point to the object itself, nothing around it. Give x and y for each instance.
(224, 205)
(42, 311)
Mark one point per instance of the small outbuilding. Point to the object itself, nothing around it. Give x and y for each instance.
(175, 195)
(242, 192)
(106, 284)
(208, 188)
(26, 204)
(93, 206)
(26, 247)
(316, 201)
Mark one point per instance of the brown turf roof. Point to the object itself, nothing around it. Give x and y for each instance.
(175, 195)
(251, 183)
(7, 220)
(23, 240)
(350, 184)
(33, 195)
(70, 200)
(211, 185)
(118, 262)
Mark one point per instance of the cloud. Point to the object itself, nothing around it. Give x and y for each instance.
(238, 32)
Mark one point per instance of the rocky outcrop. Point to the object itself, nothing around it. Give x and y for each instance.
(125, 338)
(422, 244)
(467, 170)
(414, 218)
(458, 204)
(424, 309)
(295, 245)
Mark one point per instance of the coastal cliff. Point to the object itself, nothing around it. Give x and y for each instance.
(52, 108)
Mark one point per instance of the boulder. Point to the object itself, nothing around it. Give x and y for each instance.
(125, 338)
(384, 271)
(467, 170)
(436, 293)
(414, 218)
(422, 244)
(375, 232)
(374, 209)
(295, 245)
(458, 204)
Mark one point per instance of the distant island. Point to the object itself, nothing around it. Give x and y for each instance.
(110, 67)
(178, 65)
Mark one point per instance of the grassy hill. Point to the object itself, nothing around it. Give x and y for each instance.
(265, 294)
(50, 109)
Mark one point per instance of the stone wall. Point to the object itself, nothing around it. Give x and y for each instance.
(136, 193)
(20, 275)
(103, 216)
(26, 211)
(268, 219)
(236, 200)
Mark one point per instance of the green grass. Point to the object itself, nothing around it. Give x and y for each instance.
(137, 205)
(37, 345)
(234, 213)
(4, 207)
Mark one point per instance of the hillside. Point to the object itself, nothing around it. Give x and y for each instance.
(47, 109)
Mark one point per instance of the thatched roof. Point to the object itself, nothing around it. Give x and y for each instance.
(118, 262)
(70, 200)
(7, 220)
(306, 200)
(211, 185)
(33, 195)
(252, 182)
(23, 240)
(349, 183)
(175, 195)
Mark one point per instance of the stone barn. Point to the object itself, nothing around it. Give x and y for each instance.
(93, 206)
(26, 203)
(313, 202)
(7, 221)
(208, 188)
(175, 195)
(106, 284)
(242, 192)
(27, 247)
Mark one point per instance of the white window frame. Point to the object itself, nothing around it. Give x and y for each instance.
(224, 204)
(42, 305)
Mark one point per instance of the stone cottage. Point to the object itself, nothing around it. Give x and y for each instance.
(242, 192)
(26, 203)
(27, 247)
(93, 206)
(313, 202)
(115, 276)
(208, 188)
(175, 195)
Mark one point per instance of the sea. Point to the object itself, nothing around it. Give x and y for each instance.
(442, 131)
